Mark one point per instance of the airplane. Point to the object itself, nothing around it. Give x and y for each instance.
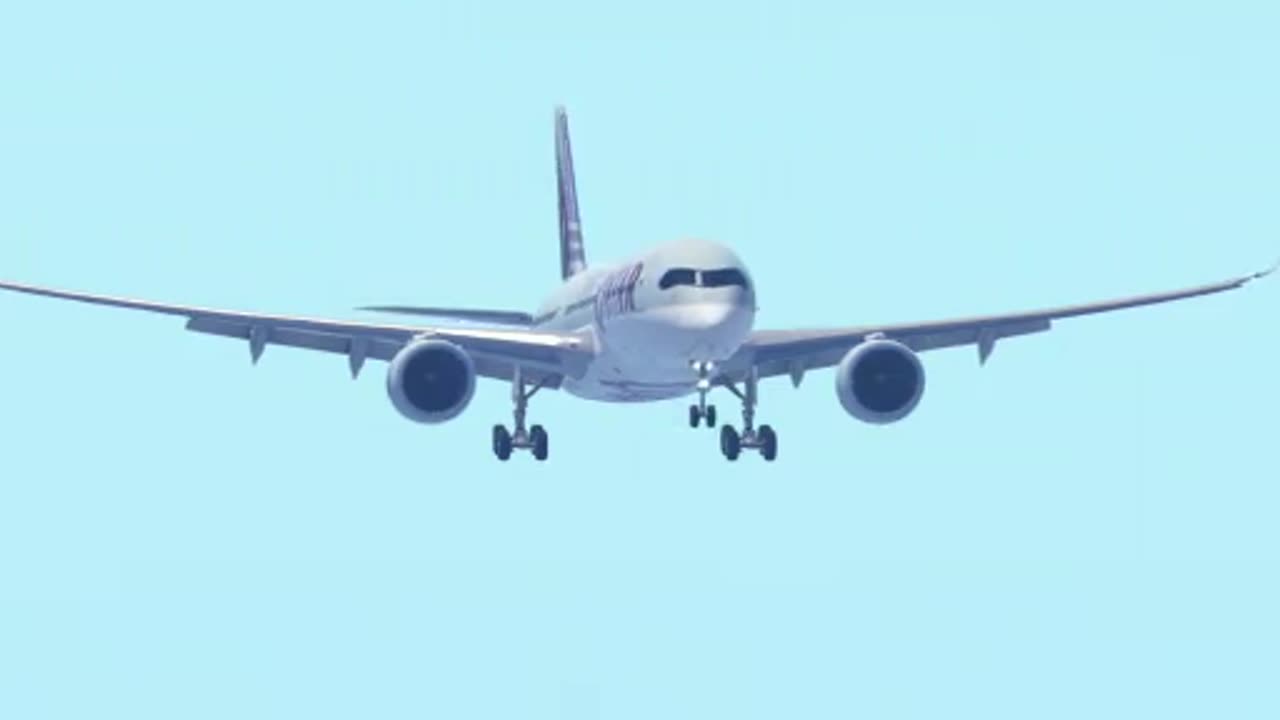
(673, 321)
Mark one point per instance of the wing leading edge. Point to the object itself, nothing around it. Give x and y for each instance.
(792, 352)
(502, 317)
(496, 350)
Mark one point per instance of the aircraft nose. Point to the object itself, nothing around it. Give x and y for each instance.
(707, 316)
(714, 330)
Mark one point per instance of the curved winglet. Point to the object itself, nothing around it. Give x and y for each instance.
(1259, 275)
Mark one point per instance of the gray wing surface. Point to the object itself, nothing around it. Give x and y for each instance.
(792, 352)
(503, 317)
(496, 350)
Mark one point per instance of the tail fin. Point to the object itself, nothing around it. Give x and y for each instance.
(573, 259)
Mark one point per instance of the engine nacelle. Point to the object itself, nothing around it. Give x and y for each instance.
(880, 381)
(431, 381)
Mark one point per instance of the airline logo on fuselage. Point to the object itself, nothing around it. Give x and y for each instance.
(617, 294)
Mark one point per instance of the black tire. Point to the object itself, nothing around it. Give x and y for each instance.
(538, 436)
(694, 416)
(730, 442)
(710, 416)
(768, 443)
(501, 443)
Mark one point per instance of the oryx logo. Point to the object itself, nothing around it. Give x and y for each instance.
(617, 294)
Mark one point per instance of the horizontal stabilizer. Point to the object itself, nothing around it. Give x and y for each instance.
(505, 317)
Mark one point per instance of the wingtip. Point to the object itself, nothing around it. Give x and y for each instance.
(1259, 275)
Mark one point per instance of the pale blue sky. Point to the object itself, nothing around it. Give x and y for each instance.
(1084, 528)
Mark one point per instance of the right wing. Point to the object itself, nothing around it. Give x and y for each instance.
(792, 352)
(496, 351)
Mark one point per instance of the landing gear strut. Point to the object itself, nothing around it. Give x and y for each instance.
(763, 438)
(702, 411)
(533, 438)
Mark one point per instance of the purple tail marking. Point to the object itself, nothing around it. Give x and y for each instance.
(573, 258)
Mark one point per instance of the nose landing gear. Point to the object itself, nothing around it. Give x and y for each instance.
(533, 438)
(702, 411)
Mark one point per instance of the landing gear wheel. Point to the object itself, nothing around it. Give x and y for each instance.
(730, 442)
(695, 416)
(518, 438)
(710, 416)
(763, 438)
(768, 440)
(501, 442)
(538, 438)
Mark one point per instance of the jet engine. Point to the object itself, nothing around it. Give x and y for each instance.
(431, 381)
(880, 381)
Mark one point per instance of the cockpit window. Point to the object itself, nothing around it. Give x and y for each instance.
(678, 276)
(723, 278)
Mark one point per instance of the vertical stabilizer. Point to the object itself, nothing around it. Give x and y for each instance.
(573, 259)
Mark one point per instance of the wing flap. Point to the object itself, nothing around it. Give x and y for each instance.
(491, 364)
(984, 336)
(339, 343)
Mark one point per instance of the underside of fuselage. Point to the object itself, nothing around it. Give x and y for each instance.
(623, 390)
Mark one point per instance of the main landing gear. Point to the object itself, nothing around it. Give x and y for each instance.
(533, 438)
(702, 411)
(763, 438)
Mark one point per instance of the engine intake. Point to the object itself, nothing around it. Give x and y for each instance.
(880, 381)
(431, 381)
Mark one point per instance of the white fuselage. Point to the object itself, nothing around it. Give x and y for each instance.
(653, 319)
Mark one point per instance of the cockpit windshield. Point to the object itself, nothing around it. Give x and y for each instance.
(721, 277)
(678, 276)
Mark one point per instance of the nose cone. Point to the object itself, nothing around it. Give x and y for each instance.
(705, 316)
(713, 330)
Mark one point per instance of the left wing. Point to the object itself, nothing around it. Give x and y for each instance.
(496, 351)
(792, 352)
